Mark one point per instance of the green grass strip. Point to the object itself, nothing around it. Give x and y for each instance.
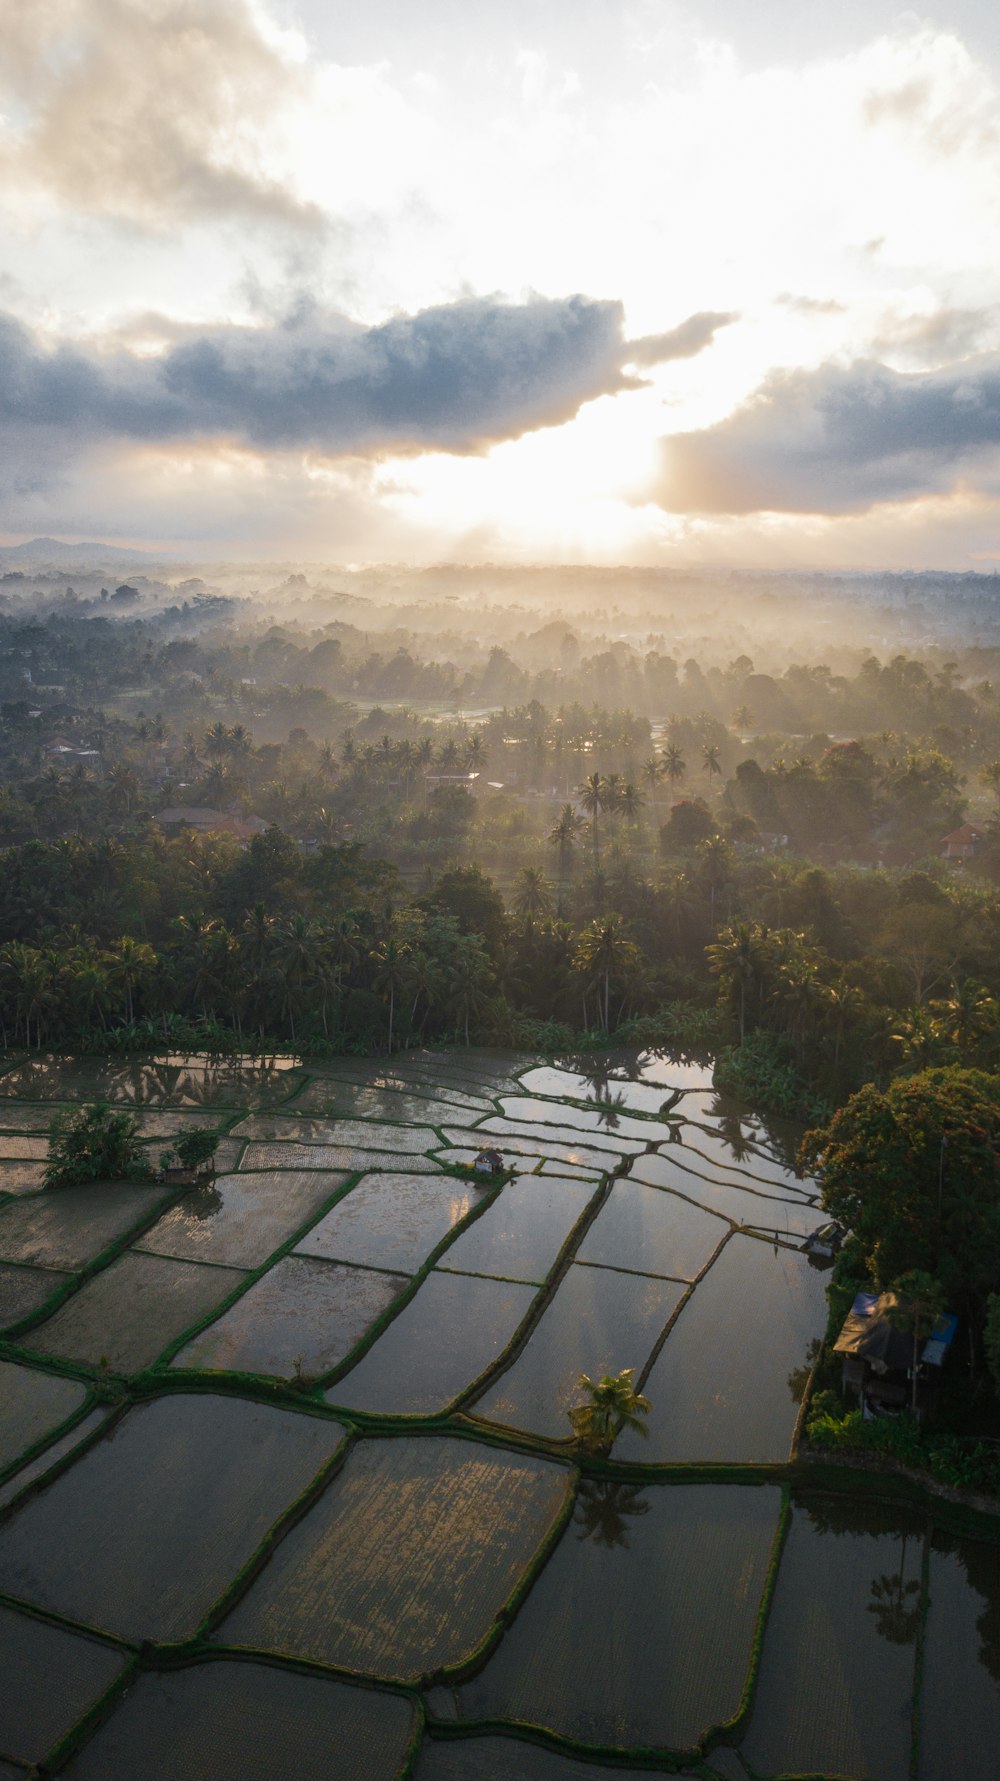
(51, 1437)
(273, 1537)
(642, 1756)
(450, 1674)
(335, 1374)
(79, 1276)
(729, 1729)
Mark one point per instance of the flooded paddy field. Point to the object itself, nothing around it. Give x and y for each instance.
(287, 1484)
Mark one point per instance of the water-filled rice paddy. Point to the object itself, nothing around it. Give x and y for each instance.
(406, 1560)
(26, 1116)
(440, 1343)
(328, 1156)
(507, 1759)
(729, 1378)
(521, 1234)
(147, 1528)
(393, 1220)
(52, 1454)
(600, 1089)
(743, 1205)
(611, 1147)
(239, 1220)
(32, 1405)
(656, 1233)
(416, 1561)
(303, 1315)
(960, 1695)
(21, 1177)
(349, 1101)
(50, 1678)
(608, 1120)
(24, 1290)
(598, 1322)
(533, 1142)
(128, 1314)
(170, 1080)
(225, 1719)
(356, 1134)
(639, 1628)
(465, 1158)
(835, 1691)
(68, 1227)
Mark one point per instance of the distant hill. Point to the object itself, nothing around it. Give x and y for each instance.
(57, 551)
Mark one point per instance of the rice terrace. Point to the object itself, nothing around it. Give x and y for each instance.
(287, 1470)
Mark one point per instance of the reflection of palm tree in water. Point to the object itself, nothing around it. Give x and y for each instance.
(597, 1074)
(604, 1508)
(732, 1134)
(896, 1604)
(609, 1111)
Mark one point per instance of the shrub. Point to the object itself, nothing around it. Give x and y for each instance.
(196, 1147)
(94, 1144)
(762, 1071)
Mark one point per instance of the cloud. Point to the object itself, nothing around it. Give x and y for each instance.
(937, 338)
(454, 378)
(683, 342)
(150, 112)
(811, 305)
(840, 440)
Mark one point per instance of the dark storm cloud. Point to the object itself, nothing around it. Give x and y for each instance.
(454, 378)
(840, 440)
(682, 342)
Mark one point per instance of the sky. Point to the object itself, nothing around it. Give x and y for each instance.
(553, 280)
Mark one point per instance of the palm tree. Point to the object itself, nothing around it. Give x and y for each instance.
(131, 960)
(677, 902)
(710, 759)
(295, 957)
(919, 1304)
(716, 865)
(742, 719)
(737, 957)
(592, 794)
(652, 772)
(531, 894)
(425, 978)
(390, 960)
(674, 764)
(563, 834)
(123, 784)
(967, 1015)
(614, 785)
(605, 950)
(990, 776)
(843, 1003)
(216, 740)
(611, 1404)
(239, 743)
(469, 977)
(476, 753)
(630, 802)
